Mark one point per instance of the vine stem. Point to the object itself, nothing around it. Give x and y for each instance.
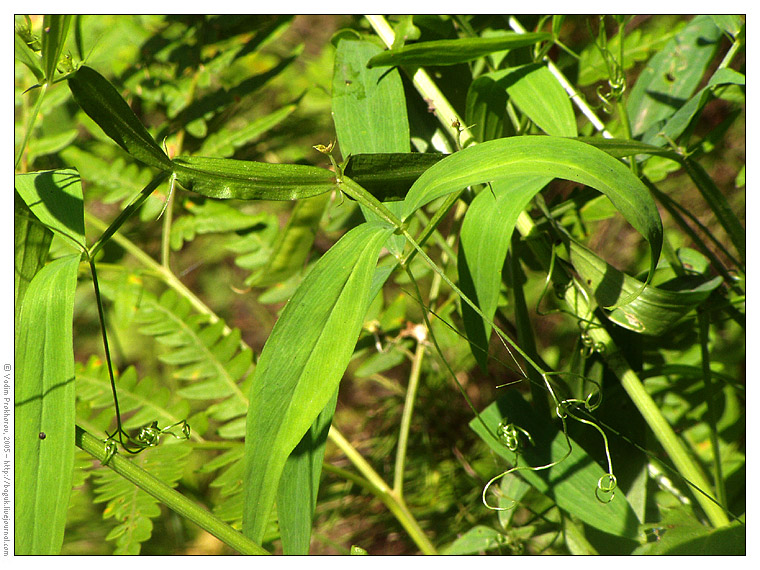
(633, 386)
(168, 496)
(406, 418)
(391, 499)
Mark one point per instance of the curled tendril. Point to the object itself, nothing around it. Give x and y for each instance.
(110, 450)
(606, 485)
(509, 436)
(147, 436)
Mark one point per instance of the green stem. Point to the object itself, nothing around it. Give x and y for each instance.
(406, 419)
(380, 489)
(168, 496)
(126, 213)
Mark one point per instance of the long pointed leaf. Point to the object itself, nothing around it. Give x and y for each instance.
(44, 408)
(302, 363)
(485, 236)
(297, 493)
(54, 32)
(543, 156)
(226, 178)
(452, 52)
(102, 102)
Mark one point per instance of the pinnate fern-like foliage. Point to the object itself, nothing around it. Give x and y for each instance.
(212, 363)
(132, 507)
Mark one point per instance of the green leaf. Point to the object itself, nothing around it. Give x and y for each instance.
(55, 198)
(55, 28)
(247, 180)
(302, 363)
(540, 96)
(485, 236)
(718, 205)
(572, 482)
(671, 77)
(368, 105)
(731, 24)
(104, 105)
(452, 52)
(639, 44)
(299, 485)
(44, 408)
(388, 176)
(681, 119)
(680, 533)
(652, 312)
(211, 216)
(31, 243)
(211, 362)
(486, 111)
(621, 148)
(543, 156)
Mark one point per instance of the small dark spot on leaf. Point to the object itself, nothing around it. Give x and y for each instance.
(43, 435)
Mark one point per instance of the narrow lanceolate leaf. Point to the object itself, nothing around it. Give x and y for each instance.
(247, 180)
(55, 198)
(719, 205)
(102, 102)
(552, 157)
(302, 363)
(44, 408)
(452, 52)
(621, 148)
(484, 241)
(55, 28)
(572, 482)
(652, 312)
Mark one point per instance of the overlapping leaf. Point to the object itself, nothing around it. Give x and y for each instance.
(543, 157)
